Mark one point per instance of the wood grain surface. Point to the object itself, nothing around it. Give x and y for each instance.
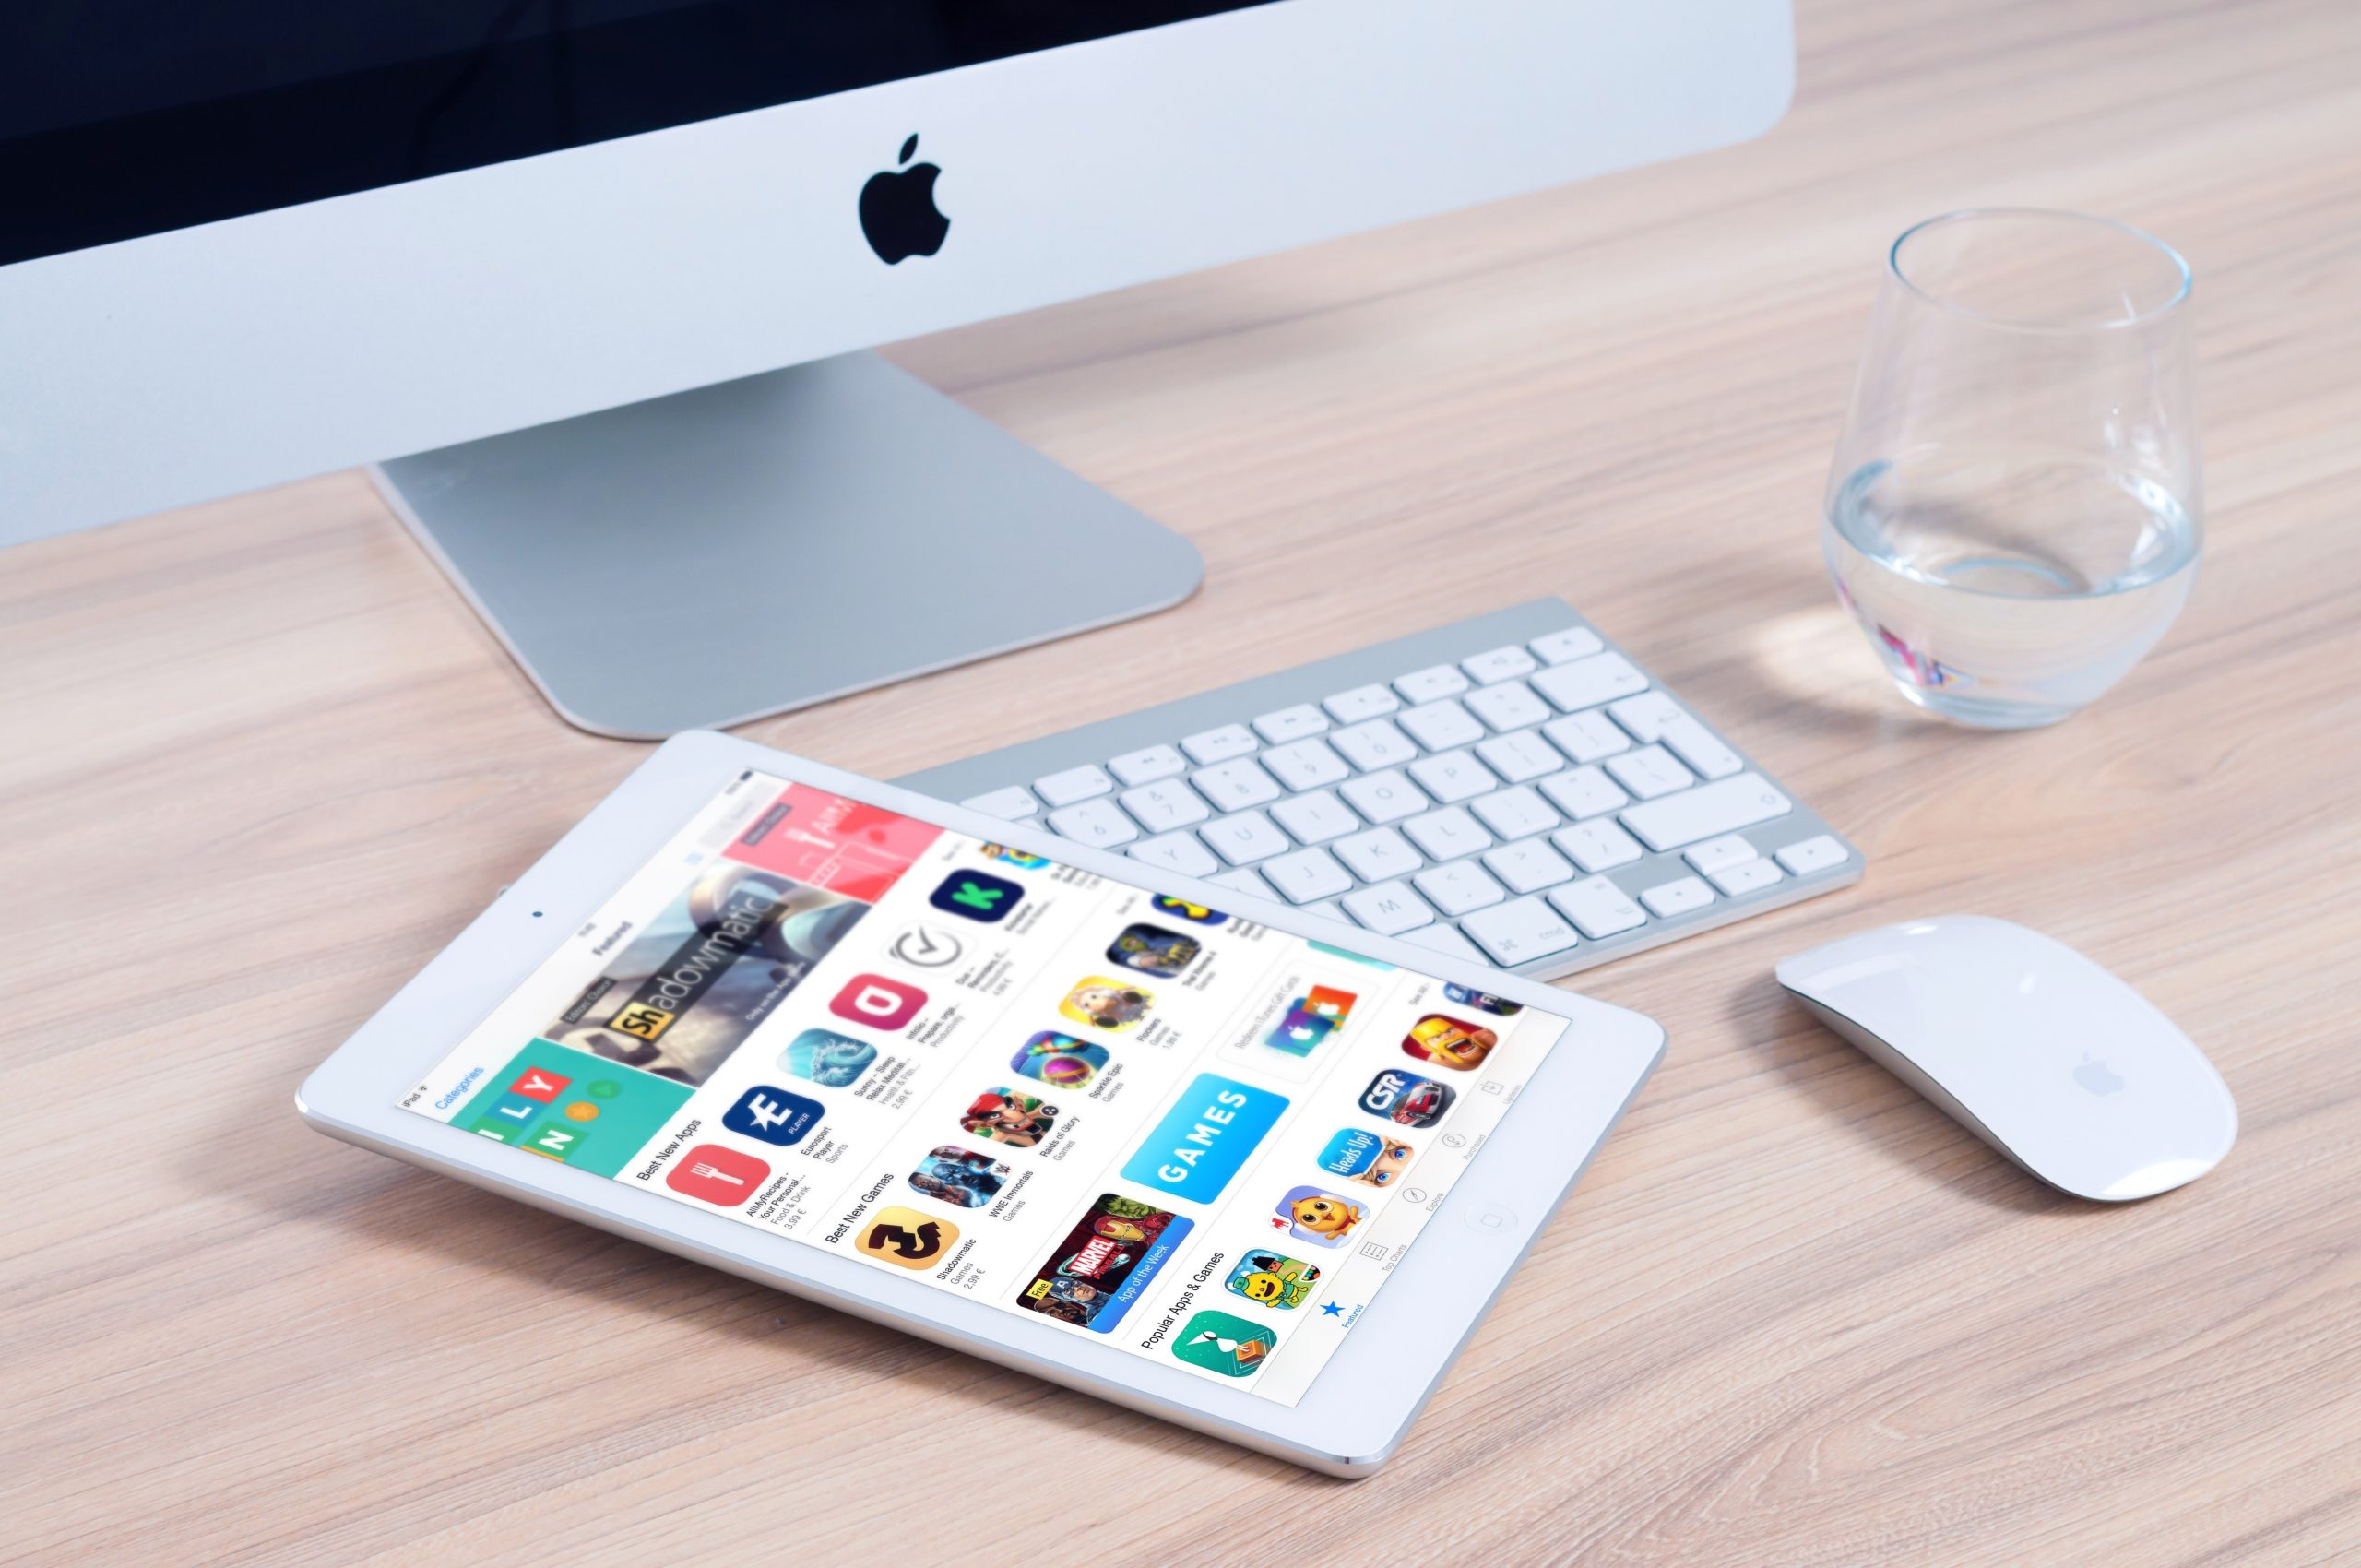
(262, 763)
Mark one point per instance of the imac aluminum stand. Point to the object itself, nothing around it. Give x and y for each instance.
(743, 549)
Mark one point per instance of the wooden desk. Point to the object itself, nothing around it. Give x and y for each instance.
(263, 763)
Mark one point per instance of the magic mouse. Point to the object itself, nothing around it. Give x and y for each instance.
(2037, 1051)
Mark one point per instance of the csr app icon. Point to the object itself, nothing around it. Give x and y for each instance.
(1060, 1061)
(719, 1176)
(1220, 1343)
(1447, 1042)
(880, 1003)
(977, 896)
(960, 1177)
(1152, 950)
(905, 1238)
(1272, 1279)
(1372, 1159)
(773, 1116)
(826, 1058)
(1308, 1213)
(1407, 1098)
(1108, 1004)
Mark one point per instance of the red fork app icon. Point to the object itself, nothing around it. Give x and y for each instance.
(720, 1176)
(880, 1003)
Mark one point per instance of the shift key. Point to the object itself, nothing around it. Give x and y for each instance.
(1706, 812)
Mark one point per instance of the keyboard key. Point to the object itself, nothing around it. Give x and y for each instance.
(1389, 909)
(1243, 880)
(1305, 765)
(1291, 724)
(1499, 664)
(1362, 702)
(1445, 940)
(1515, 813)
(1453, 777)
(1244, 837)
(1147, 767)
(1373, 745)
(1384, 797)
(1584, 791)
(1377, 856)
(1007, 804)
(1520, 930)
(1160, 808)
(1811, 854)
(1095, 823)
(1178, 852)
(1695, 744)
(1448, 834)
(1314, 818)
(1747, 876)
(1598, 907)
(1528, 867)
(1586, 682)
(1560, 647)
(1645, 715)
(1307, 874)
(1234, 786)
(1719, 854)
(1438, 726)
(1457, 889)
(1427, 685)
(1677, 897)
(1586, 737)
(1520, 756)
(1598, 846)
(1508, 706)
(1649, 772)
(1219, 746)
(1709, 811)
(1074, 784)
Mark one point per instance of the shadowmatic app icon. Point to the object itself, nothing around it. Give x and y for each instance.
(905, 1238)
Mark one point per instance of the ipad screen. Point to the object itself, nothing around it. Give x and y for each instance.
(1164, 1126)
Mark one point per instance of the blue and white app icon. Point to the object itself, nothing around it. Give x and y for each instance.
(1204, 1138)
(773, 1115)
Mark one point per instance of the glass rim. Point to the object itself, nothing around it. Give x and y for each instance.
(2181, 290)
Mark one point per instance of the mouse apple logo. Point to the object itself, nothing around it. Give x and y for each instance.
(2098, 1077)
(898, 212)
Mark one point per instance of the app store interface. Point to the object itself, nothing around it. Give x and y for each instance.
(1172, 1129)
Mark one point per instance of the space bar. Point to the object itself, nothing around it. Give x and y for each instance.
(1708, 810)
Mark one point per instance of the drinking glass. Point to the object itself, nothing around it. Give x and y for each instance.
(2013, 514)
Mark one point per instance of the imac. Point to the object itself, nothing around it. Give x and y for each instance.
(593, 283)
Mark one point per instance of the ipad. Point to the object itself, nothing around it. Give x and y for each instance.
(1240, 1166)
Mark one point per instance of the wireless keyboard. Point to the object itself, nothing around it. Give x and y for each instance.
(1512, 788)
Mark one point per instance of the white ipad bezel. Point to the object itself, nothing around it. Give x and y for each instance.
(1355, 1411)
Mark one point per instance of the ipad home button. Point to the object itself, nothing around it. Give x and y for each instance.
(1491, 1219)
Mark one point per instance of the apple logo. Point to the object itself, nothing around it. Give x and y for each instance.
(2094, 1077)
(898, 212)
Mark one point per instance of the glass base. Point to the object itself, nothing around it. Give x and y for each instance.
(1982, 713)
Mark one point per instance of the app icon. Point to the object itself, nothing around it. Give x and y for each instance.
(1273, 1279)
(925, 947)
(1322, 1218)
(1108, 1004)
(1153, 951)
(1206, 1138)
(1447, 1042)
(1060, 1061)
(905, 1238)
(826, 1058)
(1009, 1116)
(1220, 1343)
(536, 1084)
(960, 1177)
(1105, 1264)
(977, 896)
(1309, 1020)
(1360, 1156)
(773, 1115)
(880, 1003)
(1407, 1098)
(1163, 905)
(1018, 858)
(1483, 1001)
(720, 1176)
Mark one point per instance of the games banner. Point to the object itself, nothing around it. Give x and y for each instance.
(1105, 1264)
